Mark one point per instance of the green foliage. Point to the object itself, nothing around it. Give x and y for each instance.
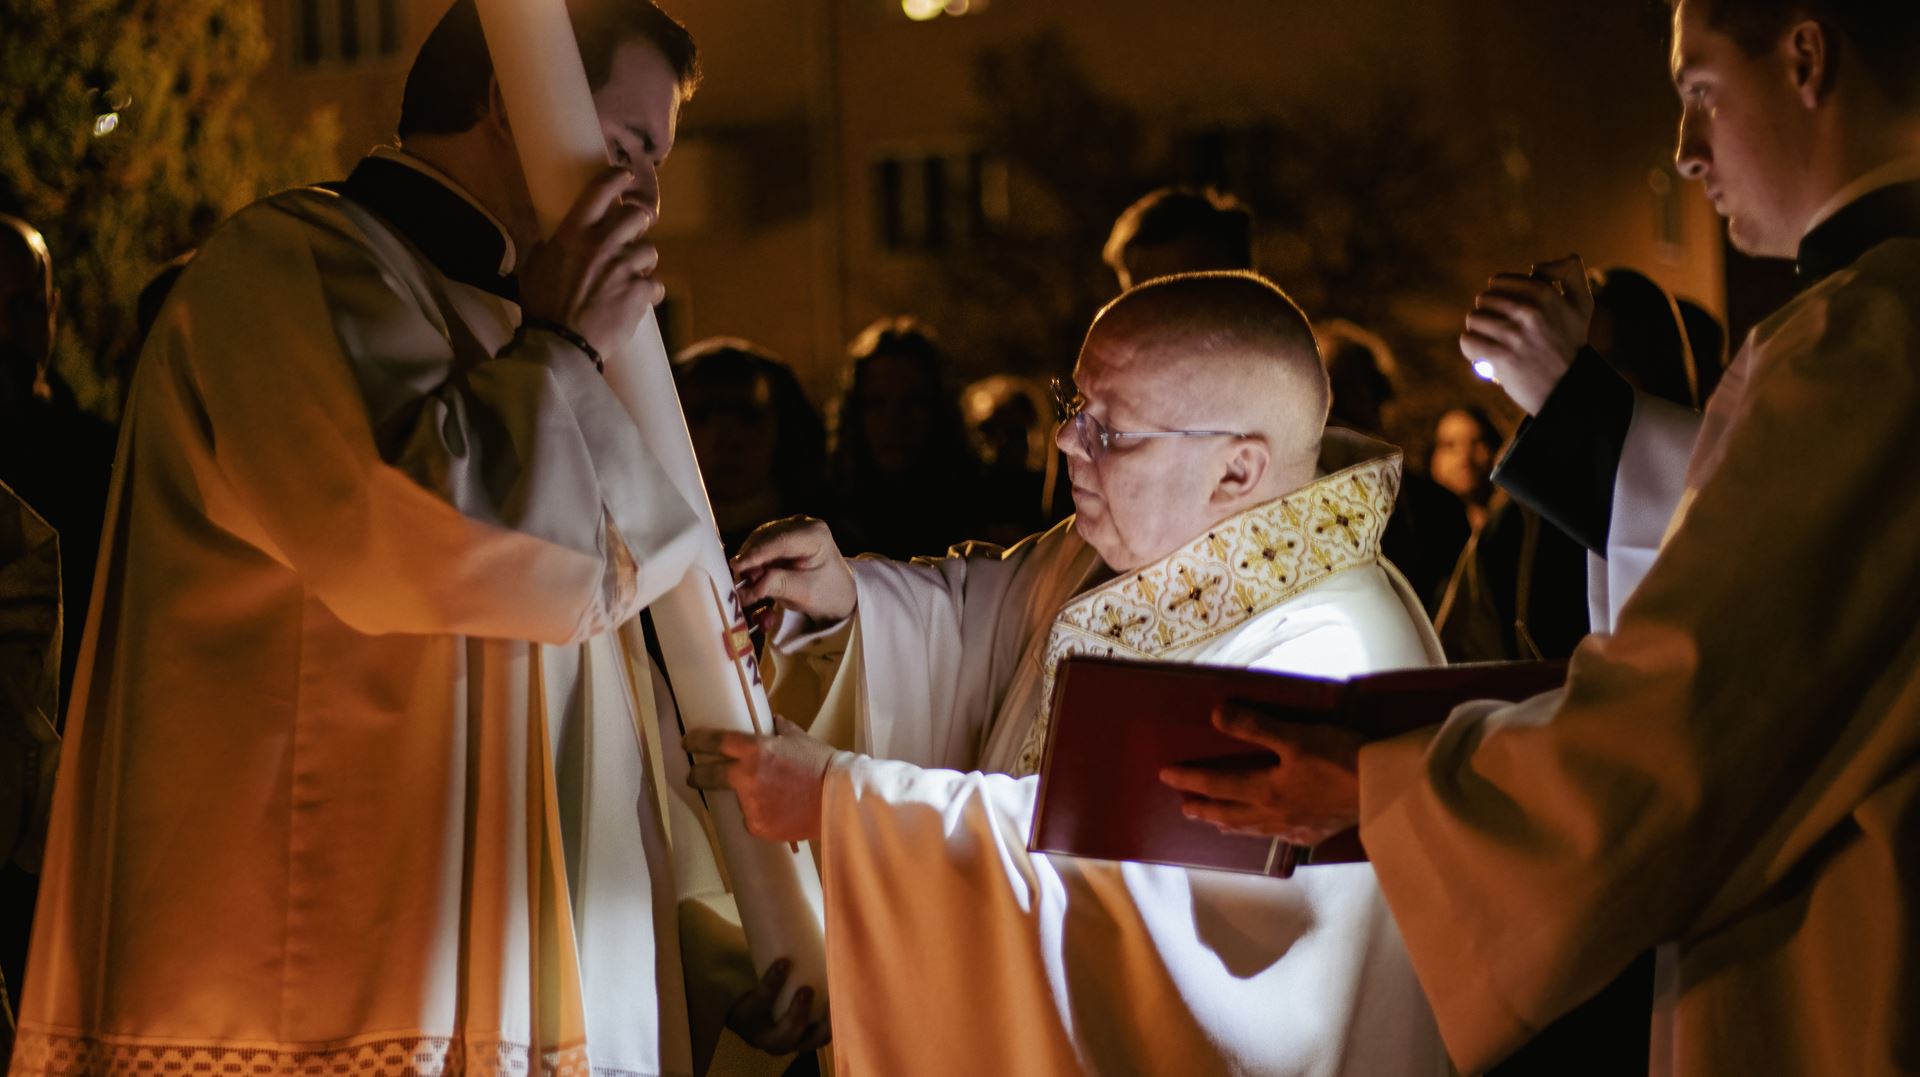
(187, 148)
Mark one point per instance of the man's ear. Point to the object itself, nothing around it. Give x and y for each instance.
(1809, 48)
(1246, 468)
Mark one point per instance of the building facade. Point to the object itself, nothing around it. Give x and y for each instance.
(835, 155)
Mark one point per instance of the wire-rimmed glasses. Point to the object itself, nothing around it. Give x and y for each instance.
(1095, 439)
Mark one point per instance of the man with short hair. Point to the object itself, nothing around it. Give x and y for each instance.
(358, 777)
(1735, 768)
(1216, 525)
(1182, 230)
(1179, 230)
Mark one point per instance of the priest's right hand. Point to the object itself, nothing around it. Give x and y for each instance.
(795, 563)
(594, 275)
(751, 1016)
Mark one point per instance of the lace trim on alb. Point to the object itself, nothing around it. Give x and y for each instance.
(52, 1055)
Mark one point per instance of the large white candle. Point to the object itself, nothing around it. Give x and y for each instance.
(716, 678)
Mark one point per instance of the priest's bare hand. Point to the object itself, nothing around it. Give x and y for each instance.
(751, 1016)
(1530, 327)
(777, 778)
(795, 563)
(594, 275)
(1309, 795)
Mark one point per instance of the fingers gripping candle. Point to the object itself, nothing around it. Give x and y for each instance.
(715, 680)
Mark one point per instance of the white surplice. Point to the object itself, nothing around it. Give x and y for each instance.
(953, 950)
(1647, 489)
(355, 778)
(1732, 769)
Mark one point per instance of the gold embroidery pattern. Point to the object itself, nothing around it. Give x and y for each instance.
(1245, 566)
(407, 1056)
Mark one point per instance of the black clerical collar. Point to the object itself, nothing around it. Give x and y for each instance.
(1891, 212)
(462, 242)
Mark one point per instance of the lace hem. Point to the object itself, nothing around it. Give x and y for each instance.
(40, 1054)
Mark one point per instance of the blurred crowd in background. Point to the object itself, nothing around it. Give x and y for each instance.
(908, 459)
(904, 461)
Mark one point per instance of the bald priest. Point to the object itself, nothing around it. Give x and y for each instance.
(1217, 522)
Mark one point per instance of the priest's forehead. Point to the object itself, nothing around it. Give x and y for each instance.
(1197, 335)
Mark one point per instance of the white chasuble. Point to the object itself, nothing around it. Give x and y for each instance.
(1735, 769)
(355, 778)
(953, 950)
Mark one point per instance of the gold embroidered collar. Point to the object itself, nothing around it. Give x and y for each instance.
(1241, 568)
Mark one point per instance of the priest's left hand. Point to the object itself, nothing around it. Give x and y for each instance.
(751, 1016)
(777, 778)
(1311, 794)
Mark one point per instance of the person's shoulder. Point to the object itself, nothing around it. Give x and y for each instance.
(1887, 274)
(1860, 319)
(1058, 545)
(1058, 538)
(283, 237)
(297, 216)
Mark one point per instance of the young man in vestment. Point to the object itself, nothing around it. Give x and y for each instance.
(1215, 524)
(359, 776)
(1735, 768)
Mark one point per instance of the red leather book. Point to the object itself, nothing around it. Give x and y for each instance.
(1116, 723)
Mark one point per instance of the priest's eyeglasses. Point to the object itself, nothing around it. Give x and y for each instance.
(1096, 440)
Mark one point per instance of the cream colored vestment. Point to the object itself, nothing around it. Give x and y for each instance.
(354, 778)
(952, 950)
(1736, 767)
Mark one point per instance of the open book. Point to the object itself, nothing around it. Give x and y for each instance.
(1116, 723)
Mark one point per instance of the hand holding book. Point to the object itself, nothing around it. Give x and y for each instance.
(1304, 792)
(1232, 769)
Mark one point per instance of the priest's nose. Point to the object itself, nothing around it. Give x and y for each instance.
(645, 188)
(1066, 438)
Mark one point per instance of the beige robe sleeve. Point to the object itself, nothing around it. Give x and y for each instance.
(1741, 736)
(919, 671)
(414, 486)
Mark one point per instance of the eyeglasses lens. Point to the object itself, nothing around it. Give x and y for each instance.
(1072, 410)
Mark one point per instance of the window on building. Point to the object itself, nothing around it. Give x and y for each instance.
(931, 201)
(389, 13)
(1237, 158)
(889, 203)
(306, 23)
(328, 33)
(349, 30)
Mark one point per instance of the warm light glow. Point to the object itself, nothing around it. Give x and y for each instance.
(957, 7)
(922, 10)
(105, 124)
